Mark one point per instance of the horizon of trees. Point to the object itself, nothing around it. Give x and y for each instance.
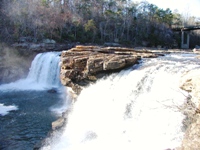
(93, 21)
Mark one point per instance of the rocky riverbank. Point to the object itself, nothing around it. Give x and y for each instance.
(191, 83)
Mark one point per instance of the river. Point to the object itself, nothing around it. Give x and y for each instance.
(27, 108)
(137, 108)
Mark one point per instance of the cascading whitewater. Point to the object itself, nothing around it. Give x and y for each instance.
(45, 69)
(44, 73)
(136, 109)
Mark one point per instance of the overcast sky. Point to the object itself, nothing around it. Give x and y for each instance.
(183, 6)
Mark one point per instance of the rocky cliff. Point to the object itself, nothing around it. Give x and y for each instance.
(84, 64)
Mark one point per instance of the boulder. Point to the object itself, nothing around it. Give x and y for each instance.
(53, 90)
(58, 123)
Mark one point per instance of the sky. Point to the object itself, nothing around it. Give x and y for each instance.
(191, 7)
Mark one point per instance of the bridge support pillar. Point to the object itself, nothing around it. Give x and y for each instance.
(185, 39)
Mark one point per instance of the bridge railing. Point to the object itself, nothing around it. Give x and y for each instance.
(187, 28)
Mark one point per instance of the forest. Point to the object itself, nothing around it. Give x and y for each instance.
(124, 22)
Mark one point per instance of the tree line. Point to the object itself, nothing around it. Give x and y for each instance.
(92, 21)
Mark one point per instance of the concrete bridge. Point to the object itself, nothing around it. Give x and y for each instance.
(185, 34)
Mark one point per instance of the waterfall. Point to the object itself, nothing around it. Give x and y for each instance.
(136, 109)
(44, 74)
(45, 69)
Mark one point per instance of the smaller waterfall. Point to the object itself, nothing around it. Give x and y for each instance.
(43, 74)
(45, 69)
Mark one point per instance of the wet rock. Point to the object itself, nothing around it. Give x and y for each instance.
(191, 83)
(191, 139)
(58, 123)
(52, 91)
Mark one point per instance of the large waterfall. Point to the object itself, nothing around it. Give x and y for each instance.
(44, 73)
(136, 109)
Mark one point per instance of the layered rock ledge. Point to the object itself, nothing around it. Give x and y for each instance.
(84, 64)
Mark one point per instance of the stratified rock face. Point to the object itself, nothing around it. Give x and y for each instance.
(82, 64)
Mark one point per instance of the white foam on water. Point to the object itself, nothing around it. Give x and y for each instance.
(63, 105)
(4, 110)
